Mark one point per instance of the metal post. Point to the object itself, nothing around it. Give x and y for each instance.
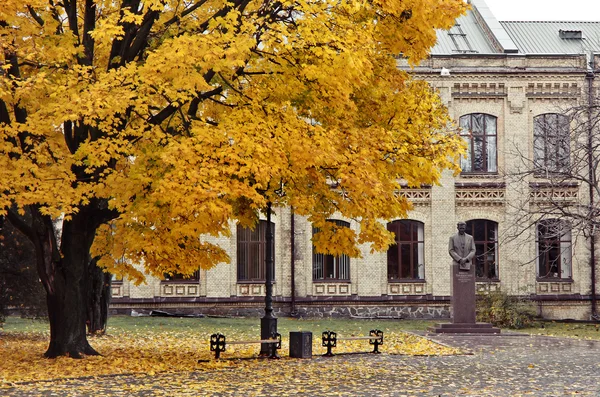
(592, 183)
(268, 324)
(329, 340)
(293, 263)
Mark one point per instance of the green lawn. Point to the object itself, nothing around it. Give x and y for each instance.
(127, 324)
(571, 330)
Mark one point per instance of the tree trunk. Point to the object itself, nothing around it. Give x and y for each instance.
(68, 287)
(64, 274)
(67, 322)
(98, 299)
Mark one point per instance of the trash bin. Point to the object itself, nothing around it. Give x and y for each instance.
(301, 344)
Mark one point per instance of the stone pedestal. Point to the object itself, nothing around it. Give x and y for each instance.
(463, 306)
(463, 295)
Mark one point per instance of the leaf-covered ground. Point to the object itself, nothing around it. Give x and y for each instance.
(162, 360)
(170, 346)
(22, 358)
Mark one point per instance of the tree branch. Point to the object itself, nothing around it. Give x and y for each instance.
(35, 15)
(89, 24)
(185, 12)
(70, 7)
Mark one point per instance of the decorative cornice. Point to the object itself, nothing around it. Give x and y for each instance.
(480, 196)
(416, 195)
(546, 191)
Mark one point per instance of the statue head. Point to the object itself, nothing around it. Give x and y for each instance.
(461, 226)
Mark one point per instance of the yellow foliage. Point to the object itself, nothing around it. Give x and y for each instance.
(184, 116)
(171, 351)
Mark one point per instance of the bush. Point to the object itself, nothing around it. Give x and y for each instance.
(505, 311)
(20, 288)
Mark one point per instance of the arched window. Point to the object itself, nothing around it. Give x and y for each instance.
(405, 259)
(479, 132)
(485, 234)
(251, 252)
(553, 249)
(328, 267)
(551, 147)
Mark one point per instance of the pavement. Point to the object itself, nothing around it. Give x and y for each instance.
(506, 365)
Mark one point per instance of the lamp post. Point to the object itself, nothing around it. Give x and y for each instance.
(268, 324)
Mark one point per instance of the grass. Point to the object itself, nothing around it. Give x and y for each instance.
(125, 324)
(119, 325)
(569, 330)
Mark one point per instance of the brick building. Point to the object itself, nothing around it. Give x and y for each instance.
(499, 80)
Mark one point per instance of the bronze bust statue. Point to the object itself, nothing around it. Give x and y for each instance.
(462, 247)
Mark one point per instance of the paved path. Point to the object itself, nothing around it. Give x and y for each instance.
(496, 366)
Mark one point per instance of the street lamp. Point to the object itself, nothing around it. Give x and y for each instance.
(268, 324)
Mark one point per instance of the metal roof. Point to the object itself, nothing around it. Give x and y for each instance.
(478, 32)
(541, 37)
(465, 37)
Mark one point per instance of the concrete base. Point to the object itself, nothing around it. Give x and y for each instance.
(464, 328)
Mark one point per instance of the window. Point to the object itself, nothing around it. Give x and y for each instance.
(251, 252)
(405, 257)
(328, 267)
(551, 147)
(479, 132)
(485, 233)
(553, 249)
(175, 277)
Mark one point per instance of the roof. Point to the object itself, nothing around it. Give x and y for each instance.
(465, 37)
(543, 37)
(478, 32)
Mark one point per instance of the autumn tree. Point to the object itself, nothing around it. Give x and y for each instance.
(560, 188)
(147, 124)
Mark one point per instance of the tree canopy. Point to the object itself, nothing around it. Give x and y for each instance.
(154, 122)
(196, 113)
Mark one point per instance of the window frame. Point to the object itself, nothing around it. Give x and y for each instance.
(563, 244)
(487, 137)
(416, 251)
(483, 249)
(323, 260)
(252, 247)
(543, 127)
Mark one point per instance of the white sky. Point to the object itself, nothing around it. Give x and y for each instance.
(545, 10)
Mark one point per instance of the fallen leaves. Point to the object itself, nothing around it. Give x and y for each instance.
(154, 352)
(144, 361)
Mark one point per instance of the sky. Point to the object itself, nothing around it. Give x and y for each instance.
(545, 10)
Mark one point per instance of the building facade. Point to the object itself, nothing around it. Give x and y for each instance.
(502, 82)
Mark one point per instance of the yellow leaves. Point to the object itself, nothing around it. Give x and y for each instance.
(303, 108)
(333, 239)
(415, 36)
(155, 350)
(130, 17)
